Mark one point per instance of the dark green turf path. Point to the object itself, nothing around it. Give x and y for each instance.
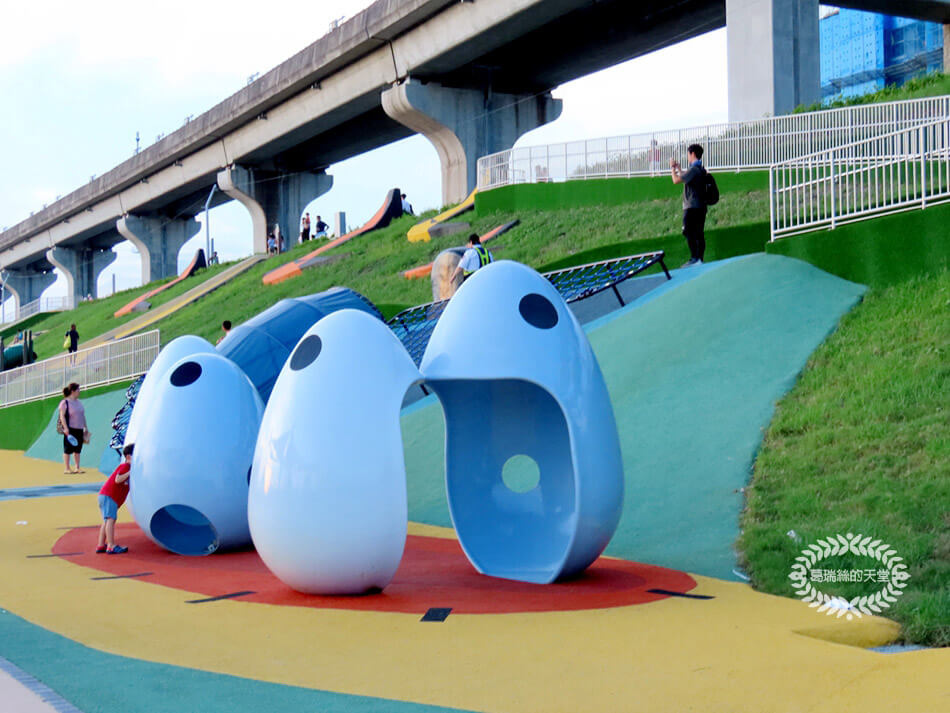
(694, 370)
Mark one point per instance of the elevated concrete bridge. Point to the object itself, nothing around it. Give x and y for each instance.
(470, 76)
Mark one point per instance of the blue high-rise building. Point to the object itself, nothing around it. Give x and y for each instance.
(862, 52)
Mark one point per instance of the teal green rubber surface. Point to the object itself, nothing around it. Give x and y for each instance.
(100, 410)
(94, 681)
(694, 369)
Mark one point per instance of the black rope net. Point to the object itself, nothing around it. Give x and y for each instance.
(414, 326)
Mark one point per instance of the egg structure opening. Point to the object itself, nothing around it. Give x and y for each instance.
(510, 477)
(184, 530)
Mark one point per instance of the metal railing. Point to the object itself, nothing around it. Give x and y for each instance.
(43, 304)
(105, 364)
(737, 146)
(894, 172)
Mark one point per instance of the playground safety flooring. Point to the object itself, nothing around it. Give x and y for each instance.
(693, 368)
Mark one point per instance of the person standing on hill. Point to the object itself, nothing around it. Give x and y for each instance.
(305, 228)
(475, 258)
(321, 228)
(694, 202)
(73, 336)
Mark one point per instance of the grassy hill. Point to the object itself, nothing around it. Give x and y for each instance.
(862, 445)
(94, 318)
(373, 264)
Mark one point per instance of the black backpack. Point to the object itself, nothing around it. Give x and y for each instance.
(710, 189)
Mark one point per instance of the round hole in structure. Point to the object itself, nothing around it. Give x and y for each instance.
(184, 530)
(521, 474)
(185, 374)
(538, 311)
(306, 352)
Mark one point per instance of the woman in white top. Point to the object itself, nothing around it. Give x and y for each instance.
(72, 417)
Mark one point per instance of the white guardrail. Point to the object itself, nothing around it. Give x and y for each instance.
(105, 364)
(746, 145)
(898, 171)
(43, 304)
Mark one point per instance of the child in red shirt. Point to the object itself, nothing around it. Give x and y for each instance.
(111, 497)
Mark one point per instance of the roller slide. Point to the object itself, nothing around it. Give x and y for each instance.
(197, 262)
(390, 209)
(420, 231)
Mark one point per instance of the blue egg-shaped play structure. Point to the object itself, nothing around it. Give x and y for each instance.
(175, 350)
(193, 455)
(260, 346)
(327, 504)
(533, 469)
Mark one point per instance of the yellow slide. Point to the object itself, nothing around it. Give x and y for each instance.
(420, 231)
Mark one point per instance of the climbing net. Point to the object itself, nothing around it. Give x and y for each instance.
(414, 326)
(120, 422)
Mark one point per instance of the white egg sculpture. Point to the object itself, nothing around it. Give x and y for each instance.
(193, 454)
(534, 475)
(176, 349)
(327, 501)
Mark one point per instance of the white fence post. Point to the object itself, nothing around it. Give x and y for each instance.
(834, 204)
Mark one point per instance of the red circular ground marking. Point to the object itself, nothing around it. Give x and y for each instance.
(434, 573)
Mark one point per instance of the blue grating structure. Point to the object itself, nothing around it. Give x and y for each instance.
(414, 326)
(121, 420)
(862, 52)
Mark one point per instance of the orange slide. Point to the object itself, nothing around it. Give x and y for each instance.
(197, 262)
(391, 208)
(417, 273)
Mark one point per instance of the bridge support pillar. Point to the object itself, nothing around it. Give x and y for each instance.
(773, 54)
(158, 241)
(464, 124)
(82, 267)
(27, 285)
(274, 198)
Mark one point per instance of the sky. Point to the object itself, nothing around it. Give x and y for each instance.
(78, 81)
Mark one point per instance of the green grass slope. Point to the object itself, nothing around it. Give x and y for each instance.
(94, 318)
(373, 264)
(862, 445)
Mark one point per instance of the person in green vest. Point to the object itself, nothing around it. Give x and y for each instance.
(475, 258)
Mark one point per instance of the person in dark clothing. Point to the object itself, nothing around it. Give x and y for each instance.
(73, 336)
(694, 203)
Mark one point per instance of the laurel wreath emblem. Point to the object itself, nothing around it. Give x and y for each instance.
(857, 545)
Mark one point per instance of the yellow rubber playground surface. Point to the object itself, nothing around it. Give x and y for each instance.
(139, 642)
(126, 644)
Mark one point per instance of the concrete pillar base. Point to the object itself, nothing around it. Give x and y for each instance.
(773, 53)
(273, 198)
(27, 285)
(159, 241)
(82, 268)
(465, 124)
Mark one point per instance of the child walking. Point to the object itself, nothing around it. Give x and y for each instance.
(111, 497)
